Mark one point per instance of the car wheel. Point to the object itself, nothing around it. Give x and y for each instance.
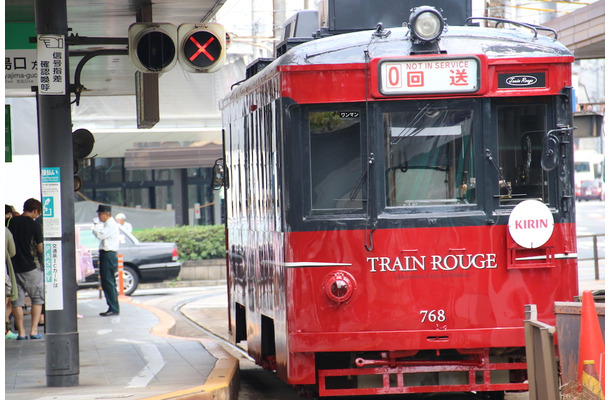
(130, 280)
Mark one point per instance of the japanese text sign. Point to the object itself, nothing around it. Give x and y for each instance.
(51, 52)
(435, 75)
(53, 272)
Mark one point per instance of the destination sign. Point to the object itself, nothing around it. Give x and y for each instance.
(429, 76)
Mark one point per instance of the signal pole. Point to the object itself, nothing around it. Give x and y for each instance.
(57, 176)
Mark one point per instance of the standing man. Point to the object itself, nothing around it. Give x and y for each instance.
(28, 272)
(107, 231)
(121, 219)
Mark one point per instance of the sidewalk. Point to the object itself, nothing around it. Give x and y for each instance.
(127, 356)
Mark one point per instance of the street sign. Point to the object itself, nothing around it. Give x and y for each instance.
(202, 47)
(20, 63)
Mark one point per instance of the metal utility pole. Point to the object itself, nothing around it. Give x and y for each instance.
(181, 196)
(57, 176)
(279, 17)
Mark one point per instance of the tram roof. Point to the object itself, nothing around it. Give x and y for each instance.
(493, 42)
(349, 48)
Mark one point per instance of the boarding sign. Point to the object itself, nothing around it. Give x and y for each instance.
(53, 283)
(429, 76)
(51, 202)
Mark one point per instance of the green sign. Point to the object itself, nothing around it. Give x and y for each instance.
(8, 145)
(20, 63)
(17, 35)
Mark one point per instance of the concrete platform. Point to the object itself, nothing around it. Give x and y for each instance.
(127, 356)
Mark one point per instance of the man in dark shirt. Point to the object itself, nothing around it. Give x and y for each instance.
(28, 272)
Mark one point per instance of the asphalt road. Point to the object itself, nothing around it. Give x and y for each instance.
(590, 220)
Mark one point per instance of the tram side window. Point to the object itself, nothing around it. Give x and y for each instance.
(429, 156)
(521, 129)
(336, 160)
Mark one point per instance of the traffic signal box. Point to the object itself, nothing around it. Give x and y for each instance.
(82, 146)
(202, 47)
(152, 46)
(155, 47)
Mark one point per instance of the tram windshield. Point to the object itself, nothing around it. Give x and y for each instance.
(521, 130)
(429, 154)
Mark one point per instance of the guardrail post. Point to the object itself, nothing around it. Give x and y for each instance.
(99, 284)
(596, 255)
(542, 373)
(596, 258)
(99, 281)
(121, 282)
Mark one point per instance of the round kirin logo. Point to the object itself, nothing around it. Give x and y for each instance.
(531, 224)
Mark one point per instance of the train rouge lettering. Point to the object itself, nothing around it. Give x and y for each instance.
(434, 263)
(531, 224)
(464, 261)
(410, 263)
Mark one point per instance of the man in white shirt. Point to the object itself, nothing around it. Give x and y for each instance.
(107, 231)
(121, 219)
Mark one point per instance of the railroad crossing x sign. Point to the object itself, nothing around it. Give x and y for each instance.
(202, 47)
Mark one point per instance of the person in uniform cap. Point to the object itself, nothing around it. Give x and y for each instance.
(106, 230)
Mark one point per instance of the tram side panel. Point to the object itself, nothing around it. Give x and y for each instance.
(256, 280)
(462, 272)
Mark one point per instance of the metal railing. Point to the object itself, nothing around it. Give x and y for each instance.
(596, 256)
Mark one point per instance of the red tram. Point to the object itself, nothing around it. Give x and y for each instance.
(396, 196)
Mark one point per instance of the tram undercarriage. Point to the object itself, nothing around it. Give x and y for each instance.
(489, 370)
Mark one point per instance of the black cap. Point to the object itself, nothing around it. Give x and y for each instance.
(103, 208)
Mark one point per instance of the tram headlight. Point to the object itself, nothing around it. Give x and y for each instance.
(426, 24)
(339, 286)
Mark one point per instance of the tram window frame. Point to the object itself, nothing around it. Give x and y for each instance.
(416, 206)
(528, 128)
(357, 186)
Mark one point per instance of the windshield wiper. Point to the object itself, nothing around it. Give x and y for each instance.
(412, 126)
(362, 178)
(508, 187)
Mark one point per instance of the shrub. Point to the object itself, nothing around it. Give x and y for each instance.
(193, 242)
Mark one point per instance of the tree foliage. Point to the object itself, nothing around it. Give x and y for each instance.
(193, 242)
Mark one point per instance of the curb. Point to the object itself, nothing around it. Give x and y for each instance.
(223, 381)
(182, 283)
